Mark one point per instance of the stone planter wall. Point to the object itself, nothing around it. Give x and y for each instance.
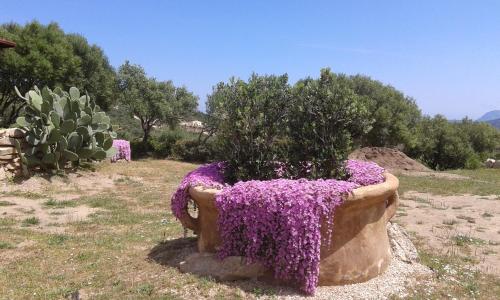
(10, 162)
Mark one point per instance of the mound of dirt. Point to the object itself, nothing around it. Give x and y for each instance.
(390, 159)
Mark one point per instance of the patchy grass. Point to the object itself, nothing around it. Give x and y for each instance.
(22, 194)
(51, 203)
(456, 277)
(31, 221)
(481, 182)
(5, 245)
(6, 203)
(109, 254)
(464, 240)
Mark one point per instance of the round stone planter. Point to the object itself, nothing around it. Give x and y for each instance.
(359, 249)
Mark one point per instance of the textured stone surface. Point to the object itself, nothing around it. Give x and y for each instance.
(401, 245)
(231, 268)
(9, 158)
(5, 150)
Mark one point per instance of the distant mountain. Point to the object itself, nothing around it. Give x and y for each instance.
(490, 116)
(495, 123)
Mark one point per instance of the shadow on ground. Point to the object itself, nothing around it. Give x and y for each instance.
(170, 253)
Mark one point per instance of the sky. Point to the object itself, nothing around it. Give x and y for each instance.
(444, 54)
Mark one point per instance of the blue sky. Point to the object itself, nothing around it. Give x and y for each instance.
(445, 54)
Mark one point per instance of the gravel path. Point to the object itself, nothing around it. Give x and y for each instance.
(394, 281)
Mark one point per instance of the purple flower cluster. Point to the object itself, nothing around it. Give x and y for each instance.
(364, 172)
(209, 175)
(122, 150)
(277, 222)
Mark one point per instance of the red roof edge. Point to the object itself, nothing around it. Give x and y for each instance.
(6, 44)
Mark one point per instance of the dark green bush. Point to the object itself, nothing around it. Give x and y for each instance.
(264, 121)
(193, 151)
(139, 149)
(473, 162)
(325, 116)
(162, 142)
(250, 121)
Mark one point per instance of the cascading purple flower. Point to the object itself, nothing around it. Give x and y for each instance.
(277, 222)
(209, 175)
(122, 150)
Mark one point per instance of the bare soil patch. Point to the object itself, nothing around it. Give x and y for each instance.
(388, 158)
(464, 225)
(34, 214)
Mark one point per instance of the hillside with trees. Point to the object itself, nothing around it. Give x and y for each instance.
(146, 111)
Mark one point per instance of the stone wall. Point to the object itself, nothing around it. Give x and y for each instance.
(10, 162)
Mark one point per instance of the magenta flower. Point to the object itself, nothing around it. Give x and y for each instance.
(277, 222)
(122, 150)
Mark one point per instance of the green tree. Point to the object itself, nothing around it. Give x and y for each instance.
(483, 137)
(441, 144)
(153, 102)
(395, 114)
(46, 56)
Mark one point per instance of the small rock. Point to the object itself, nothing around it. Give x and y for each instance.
(230, 268)
(490, 162)
(401, 245)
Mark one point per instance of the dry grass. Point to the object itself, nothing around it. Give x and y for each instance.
(114, 253)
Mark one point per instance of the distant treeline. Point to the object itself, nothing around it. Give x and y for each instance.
(47, 56)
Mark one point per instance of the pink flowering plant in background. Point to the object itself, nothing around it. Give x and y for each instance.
(277, 222)
(122, 150)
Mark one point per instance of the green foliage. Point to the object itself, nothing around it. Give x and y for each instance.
(484, 138)
(62, 127)
(264, 121)
(440, 144)
(154, 103)
(325, 116)
(163, 140)
(473, 162)
(395, 115)
(193, 150)
(125, 125)
(250, 118)
(46, 56)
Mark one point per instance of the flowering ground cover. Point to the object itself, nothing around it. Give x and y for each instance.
(277, 222)
(122, 150)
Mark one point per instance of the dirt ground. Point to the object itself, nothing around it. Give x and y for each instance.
(49, 203)
(465, 225)
(109, 234)
(391, 159)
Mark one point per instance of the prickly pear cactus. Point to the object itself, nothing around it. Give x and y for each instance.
(63, 127)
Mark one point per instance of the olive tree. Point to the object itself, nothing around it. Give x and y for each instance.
(153, 102)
